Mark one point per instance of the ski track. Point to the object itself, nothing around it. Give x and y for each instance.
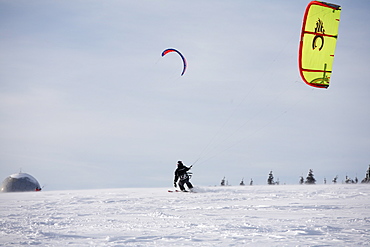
(284, 215)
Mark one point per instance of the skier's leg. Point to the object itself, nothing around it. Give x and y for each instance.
(181, 185)
(190, 186)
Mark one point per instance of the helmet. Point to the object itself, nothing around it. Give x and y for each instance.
(179, 162)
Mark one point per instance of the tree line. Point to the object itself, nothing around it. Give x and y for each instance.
(310, 179)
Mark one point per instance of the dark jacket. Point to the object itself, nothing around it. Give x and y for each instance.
(181, 172)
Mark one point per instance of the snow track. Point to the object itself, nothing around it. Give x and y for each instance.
(284, 215)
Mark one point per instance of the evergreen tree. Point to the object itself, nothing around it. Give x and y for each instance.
(367, 176)
(270, 180)
(242, 182)
(310, 179)
(349, 180)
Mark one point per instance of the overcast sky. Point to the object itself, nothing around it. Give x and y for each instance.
(87, 101)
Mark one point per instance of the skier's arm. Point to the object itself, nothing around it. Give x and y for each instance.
(175, 180)
(188, 168)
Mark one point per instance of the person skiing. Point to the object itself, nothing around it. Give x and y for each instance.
(182, 176)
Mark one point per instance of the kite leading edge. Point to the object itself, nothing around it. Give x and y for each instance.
(182, 57)
(318, 40)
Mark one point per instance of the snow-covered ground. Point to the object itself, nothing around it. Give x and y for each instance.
(283, 215)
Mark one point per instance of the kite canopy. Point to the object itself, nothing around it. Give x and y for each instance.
(318, 40)
(165, 52)
(20, 182)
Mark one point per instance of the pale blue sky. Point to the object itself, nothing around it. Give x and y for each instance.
(87, 101)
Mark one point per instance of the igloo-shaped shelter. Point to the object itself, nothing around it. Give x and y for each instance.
(20, 182)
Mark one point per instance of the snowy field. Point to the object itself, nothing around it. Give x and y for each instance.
(284, 215)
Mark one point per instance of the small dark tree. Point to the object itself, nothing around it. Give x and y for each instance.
(335, 179)
(349, 180)
(301, 180)
(367, 176)
(223, 182)
(242, 182)
(270, 180)
(310, 179)
(251, 182)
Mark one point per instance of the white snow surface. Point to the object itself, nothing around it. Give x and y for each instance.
(280, 215)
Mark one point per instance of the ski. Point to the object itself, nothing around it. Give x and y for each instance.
(171, 191)
(174, 191)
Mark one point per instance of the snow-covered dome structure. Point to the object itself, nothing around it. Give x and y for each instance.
(20, 182)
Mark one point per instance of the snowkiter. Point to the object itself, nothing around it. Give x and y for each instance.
(182, 176)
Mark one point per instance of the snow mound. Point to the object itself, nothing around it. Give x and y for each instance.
(20, 182)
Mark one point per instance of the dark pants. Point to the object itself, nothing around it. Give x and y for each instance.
(185, 181)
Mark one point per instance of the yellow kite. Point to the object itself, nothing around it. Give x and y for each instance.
(318, 40)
